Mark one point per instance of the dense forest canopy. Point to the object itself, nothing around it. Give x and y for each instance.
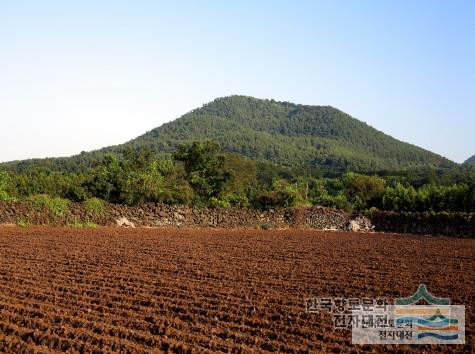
(290, 135)
(287, 134)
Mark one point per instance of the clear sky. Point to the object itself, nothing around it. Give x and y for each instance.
(80, 75)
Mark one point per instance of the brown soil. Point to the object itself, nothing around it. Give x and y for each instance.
(212, 290)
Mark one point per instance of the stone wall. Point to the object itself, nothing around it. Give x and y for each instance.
(159, 215)
(443, 224)
(156, 215)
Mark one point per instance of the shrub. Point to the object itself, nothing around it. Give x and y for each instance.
(94, 207)
(75, 223)
(80, 225)
(283, 195)
(23, 223)
(4, 182)
(57, 207)
(90, 225)
(266, 200)
(4, 196)
(287, 194)
(339, 201)
(235, 200)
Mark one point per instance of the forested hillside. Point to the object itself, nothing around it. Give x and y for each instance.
(290, 135)
(471, 160)
(265, 130)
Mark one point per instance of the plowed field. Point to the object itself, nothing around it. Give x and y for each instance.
(208, 290)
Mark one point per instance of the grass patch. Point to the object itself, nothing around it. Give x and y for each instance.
(86, 224)
(94, 208)
(56, 206)
(4, 196)
(23, 223)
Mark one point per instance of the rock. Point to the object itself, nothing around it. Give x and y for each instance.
(124, 222)
(354, 226)
(360, 224)
(178, 216)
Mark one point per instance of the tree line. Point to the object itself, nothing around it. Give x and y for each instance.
(200, 174)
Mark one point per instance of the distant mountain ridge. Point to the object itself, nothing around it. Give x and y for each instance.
(285, 133)
(470, 161)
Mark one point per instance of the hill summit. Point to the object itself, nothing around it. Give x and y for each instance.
(289, 134)
(285, 133)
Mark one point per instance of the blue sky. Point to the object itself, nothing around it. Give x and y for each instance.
(80, 75)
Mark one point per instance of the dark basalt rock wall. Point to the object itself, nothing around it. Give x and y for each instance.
(444, 224)
(161, 215)
(156, 215)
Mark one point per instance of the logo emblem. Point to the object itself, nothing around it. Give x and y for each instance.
(421, 318)
(432, 320)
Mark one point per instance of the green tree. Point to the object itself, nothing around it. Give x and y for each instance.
(205, 168)
(283, 195)
(106, 180)
(4, 182)
(400, 198)
(363, 190)
(140, 186)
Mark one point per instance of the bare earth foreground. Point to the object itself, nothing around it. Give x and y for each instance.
(187, 290)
